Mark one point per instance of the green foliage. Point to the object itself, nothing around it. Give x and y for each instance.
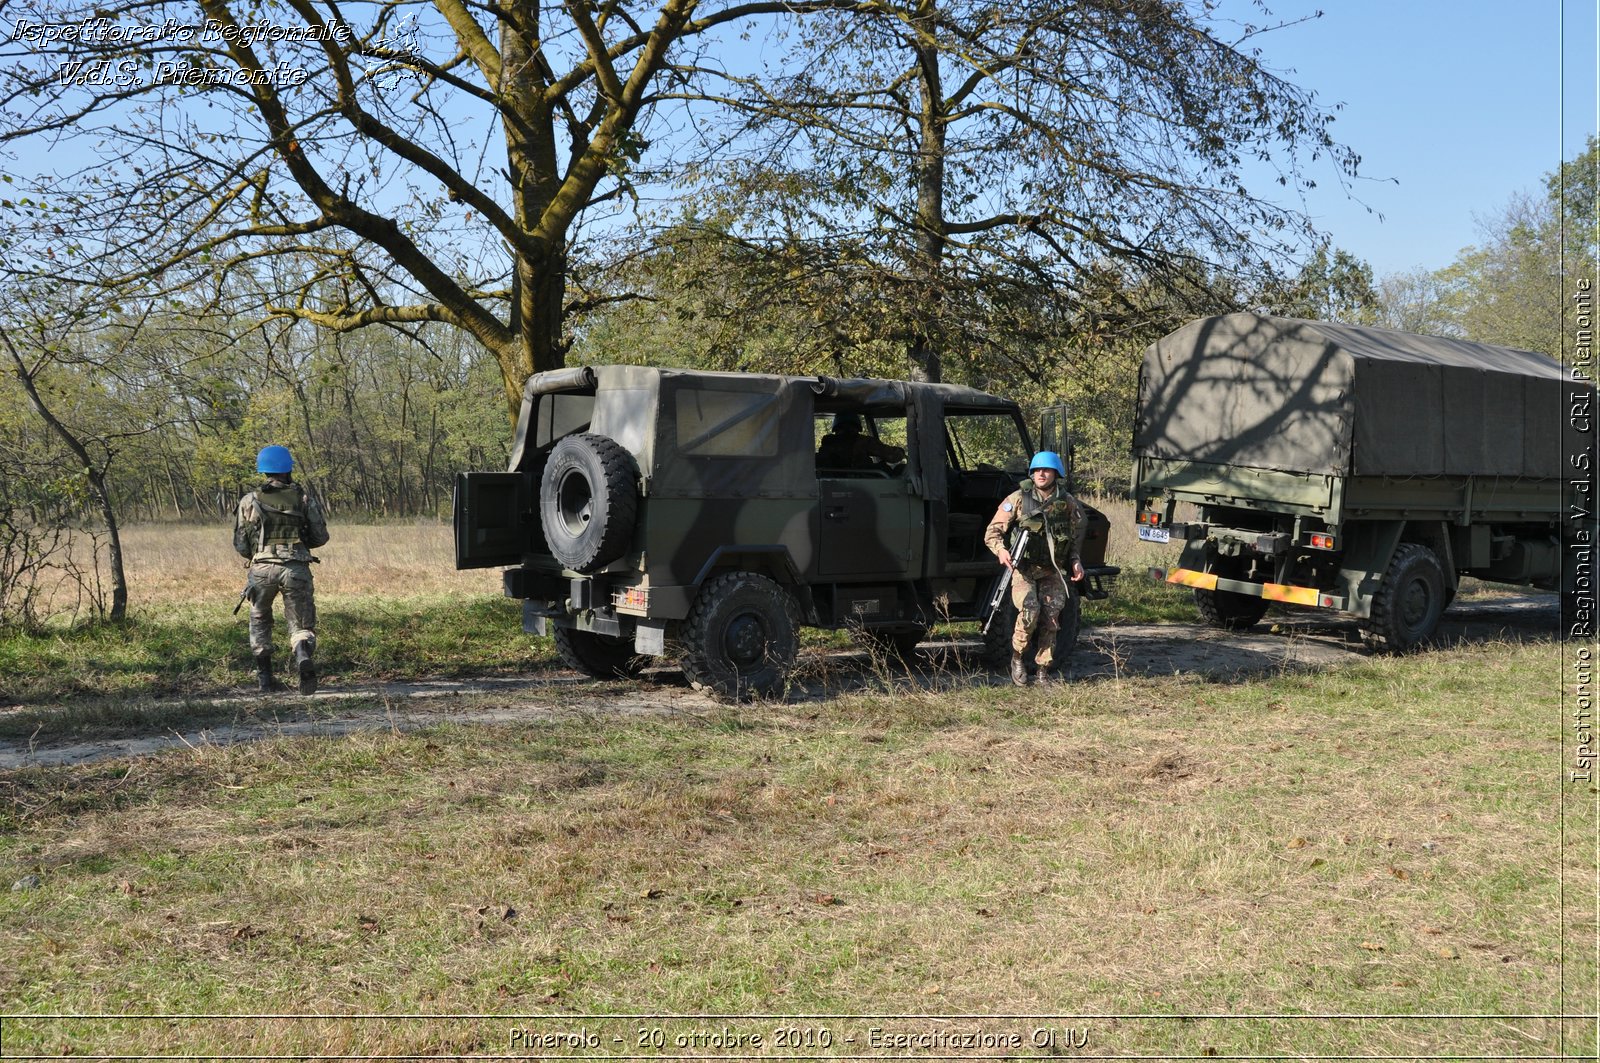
(1507, 290)
(1329, 287)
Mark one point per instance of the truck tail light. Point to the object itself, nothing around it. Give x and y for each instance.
(1323, 541)
(1151, 517)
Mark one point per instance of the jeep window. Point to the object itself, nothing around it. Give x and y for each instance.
(832, 460)
(727, 424)
(561, 414)
(991, 441)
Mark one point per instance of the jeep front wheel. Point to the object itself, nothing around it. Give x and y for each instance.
(588, 501)
(1067, 633)
(996, 652)
(741, 637)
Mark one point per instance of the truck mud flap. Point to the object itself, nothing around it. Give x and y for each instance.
(1272, 592)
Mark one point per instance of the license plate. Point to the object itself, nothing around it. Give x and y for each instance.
(1154, 535)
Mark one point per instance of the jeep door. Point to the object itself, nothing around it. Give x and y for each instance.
(869, 511)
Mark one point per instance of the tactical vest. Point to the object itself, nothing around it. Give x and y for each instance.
(1049, 524)
(282, 512)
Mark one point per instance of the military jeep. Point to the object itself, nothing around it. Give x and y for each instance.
(649, 512)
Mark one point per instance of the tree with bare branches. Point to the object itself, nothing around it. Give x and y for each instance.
(406, 161)
(987, 172)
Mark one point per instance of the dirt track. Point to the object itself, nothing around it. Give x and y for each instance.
(1299, 641)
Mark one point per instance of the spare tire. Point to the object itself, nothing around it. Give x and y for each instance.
(588, 501)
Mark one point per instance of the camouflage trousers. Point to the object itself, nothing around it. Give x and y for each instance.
(293, 579)
(1039, 595)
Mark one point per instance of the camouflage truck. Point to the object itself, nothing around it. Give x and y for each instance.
(1355, 469)
(648, 512)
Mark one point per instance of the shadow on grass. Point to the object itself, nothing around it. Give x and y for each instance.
(202, 651)
(150, 676)
(1285, 642)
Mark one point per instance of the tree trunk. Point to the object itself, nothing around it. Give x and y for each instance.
(97, 481)
(102, 494)
(923, 349)
(539, 281)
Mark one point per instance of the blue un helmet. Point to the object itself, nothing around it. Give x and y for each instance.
(1047, 459)
(274, 459)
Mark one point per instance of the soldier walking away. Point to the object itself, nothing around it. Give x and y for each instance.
(1055, 523)
(277, 527)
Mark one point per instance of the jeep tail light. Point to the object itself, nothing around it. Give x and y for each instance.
(632, 598)
(1322, 541)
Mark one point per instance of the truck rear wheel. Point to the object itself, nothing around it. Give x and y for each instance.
(741, 637)
(600, 656)
(588, 501)
(1406, 609)
(1230, 610)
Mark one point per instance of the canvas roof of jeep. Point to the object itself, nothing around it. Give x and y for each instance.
(830, 394)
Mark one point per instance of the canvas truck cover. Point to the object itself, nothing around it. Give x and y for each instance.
(1312, 397)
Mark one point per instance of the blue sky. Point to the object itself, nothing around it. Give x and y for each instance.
(1454, 106)
(1459, 103)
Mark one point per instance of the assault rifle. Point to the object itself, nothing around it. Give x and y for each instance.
(1004, 581)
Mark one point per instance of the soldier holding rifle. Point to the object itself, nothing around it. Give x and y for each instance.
(1039, 575)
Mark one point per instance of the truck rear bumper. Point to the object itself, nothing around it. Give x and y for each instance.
(1272, 592)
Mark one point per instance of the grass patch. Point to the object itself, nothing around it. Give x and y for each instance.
(188, 650)
(1377, 839)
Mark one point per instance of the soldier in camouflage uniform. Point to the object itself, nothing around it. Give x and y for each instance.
(278, 525)
(1056, 523)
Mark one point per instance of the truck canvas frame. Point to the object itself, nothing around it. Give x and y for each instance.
(1357, 469)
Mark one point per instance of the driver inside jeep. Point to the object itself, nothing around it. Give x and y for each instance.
(847, 447)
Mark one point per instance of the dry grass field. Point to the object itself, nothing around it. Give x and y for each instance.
(173, 563)
(187, 563)
(1383, 859)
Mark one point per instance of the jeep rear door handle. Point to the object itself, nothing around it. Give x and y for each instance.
(833, 512)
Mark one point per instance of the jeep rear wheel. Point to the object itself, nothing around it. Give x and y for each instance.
(588, 501)
(741, 637)
(600, 656)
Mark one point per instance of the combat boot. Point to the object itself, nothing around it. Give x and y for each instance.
(1019, 671)
(306, 667)
(265, 683)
